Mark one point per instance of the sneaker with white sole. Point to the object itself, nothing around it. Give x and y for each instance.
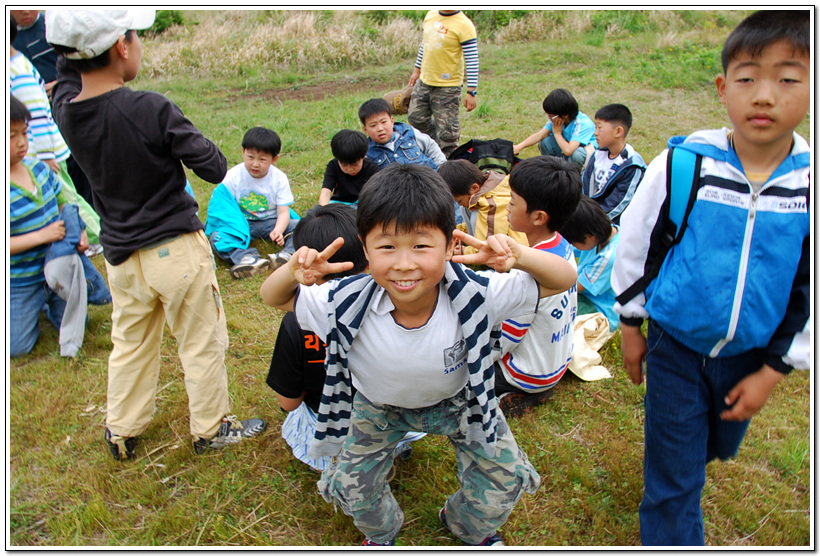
(231, 431)
(278, 259)
(249, 266)
(493, 540)
(122, 447)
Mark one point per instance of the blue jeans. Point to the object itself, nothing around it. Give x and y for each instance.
(25, 304)
(258, 229)
(549, 146)
(684, 398)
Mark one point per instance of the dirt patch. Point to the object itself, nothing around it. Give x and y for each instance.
(320, 91)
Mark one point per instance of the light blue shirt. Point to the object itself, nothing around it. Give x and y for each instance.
(581, 129)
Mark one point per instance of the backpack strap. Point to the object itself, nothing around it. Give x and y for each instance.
(682, 183)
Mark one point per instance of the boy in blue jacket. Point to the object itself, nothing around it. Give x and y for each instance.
(614, 171)
(729, 310)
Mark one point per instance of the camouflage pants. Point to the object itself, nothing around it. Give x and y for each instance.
(490, 485)
(434, 111)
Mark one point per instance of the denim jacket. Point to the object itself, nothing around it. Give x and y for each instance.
(406, 149)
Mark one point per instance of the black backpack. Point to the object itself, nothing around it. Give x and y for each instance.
(494, 155)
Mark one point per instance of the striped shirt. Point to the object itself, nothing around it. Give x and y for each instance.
(28, 212)
(25, 83)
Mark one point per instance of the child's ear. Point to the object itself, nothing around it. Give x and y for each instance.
(275, 158)
(474, 189)
(540, 218)
(720, 82)
(450, 249)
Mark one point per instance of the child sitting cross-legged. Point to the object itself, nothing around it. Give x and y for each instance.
(255, 205)
(415, 338)
(537, 346)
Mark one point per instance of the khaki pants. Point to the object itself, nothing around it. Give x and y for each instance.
(173, 282)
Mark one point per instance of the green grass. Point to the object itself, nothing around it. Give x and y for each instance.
(65, 490)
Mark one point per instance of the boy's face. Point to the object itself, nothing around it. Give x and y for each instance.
(766, 97)
(18, 142)
(606, 133)
(134, 60)
(409, 266)
(520, 220)
(257, 163)
(24, 18)
(351, 169)
(379, 127)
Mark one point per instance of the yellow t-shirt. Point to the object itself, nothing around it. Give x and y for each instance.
(443, 62)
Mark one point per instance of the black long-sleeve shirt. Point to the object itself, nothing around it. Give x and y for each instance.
(132, 146)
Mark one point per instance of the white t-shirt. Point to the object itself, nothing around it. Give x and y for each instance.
(419, 367)
(259, 197)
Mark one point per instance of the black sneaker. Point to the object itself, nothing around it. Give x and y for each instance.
(515, 404)
(493, 540)
(122, 447)
(249, 266)
(231, 431)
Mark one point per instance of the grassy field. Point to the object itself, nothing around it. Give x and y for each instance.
(229, 71)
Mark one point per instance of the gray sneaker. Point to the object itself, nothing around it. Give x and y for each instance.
(249, 266)
(231, 431)
(278, 259)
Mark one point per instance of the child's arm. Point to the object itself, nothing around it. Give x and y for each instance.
(533, 139)
(500, 252)
(44, 236)
(305, 267)
(430, 147)
(324, 196)
(567, 147)
(282, 221)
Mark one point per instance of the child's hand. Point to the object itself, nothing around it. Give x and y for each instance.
(750, 394)
(557, 125)
(277, 237)
(308, 266)
(53, 232)
(83, 245)
(499, 252)
(633, 347)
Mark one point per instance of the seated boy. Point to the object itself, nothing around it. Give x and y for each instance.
(537, 347)
(482, 200)
(35, 198)
(297, 368)
(591, 232)
(396, 141)
(415, 338)
(568, 133)
(614, 171)
(349, 170)
(263, 194)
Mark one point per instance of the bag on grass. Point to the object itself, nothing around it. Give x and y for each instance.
(496, 154)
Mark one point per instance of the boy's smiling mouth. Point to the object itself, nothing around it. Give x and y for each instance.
(405, 284)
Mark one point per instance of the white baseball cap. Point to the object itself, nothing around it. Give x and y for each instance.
(92, 32)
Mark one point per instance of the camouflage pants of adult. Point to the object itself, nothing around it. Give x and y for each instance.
(434, 111)
(490, 485)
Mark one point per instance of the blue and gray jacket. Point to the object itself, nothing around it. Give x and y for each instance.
(740, 277)
(620, 187)
(406, 149)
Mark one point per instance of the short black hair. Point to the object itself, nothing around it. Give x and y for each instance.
(12, 29)
(550, 184)
(90, 64)
(460, 175)
(560, 102)
(262, 139)
(374, 107)
(763, 28)
(18, 111)
(409, 196)
(588, 219)
(617, 114)
(321, 225)
(349, 146)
